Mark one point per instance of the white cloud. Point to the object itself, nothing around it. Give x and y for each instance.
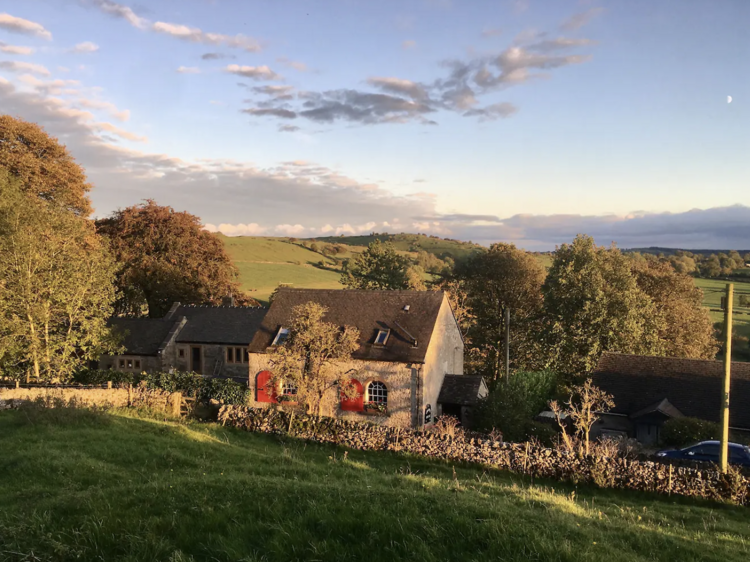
(579, 20)
(189, 70)
(21, 66)
(119, 11)
(409, 44)
(85, 47)
(300, 66)
(195, 35)
(252, 229)
(112, 109)
(20, 25)
(252, 72)
(122, 133)
(15, 49)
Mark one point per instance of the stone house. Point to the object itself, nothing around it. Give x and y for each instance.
(648, 391)
(409, 342)
(209, 340)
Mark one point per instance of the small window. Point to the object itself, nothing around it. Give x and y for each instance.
(382, 337)
(181, 353)
(377, 394)
(137, 363)
(130, 363)
(281, 336)
(230, 355)
(122, 363)
(245, 355)
(289, 389)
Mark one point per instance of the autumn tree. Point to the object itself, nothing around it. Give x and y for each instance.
(493, 280)
(683, 323)
(381, 267)
(43, 166)
(312, 360)
(593, 304)
(166, 256)
(56, 288)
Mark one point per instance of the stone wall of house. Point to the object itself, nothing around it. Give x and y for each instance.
(211, 353)
(399, 378)
(444, 356)
(524, 458)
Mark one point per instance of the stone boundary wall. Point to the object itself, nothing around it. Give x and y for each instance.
(523, 458)
(91, 397)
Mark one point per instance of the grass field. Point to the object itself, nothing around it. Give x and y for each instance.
(82, 486)
(260, 279)
(713, 290)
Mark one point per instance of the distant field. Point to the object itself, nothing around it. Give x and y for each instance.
(269, 250)
(404, 242)
(260, 279)
(713, 289)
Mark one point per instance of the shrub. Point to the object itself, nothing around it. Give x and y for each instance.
(680, 432)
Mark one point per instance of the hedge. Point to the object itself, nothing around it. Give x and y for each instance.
(680, 432)
(193, 385)
(524, 458)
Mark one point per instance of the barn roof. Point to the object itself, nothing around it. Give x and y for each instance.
(142, 336)
(219, 324)
(460, 389)
(408, 316)
(692, 386)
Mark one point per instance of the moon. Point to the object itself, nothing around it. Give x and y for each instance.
(729, 99)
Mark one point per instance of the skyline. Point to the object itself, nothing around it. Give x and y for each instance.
(525, 122)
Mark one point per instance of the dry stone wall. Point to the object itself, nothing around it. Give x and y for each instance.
(522, 458)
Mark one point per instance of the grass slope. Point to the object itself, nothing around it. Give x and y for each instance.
(82, 486)
(404, 242)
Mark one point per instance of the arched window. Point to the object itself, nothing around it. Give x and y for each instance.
(377, 394)
(262, 389)
(357, 403)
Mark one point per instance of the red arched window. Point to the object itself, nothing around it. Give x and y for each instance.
(261, 388)
(357, 403)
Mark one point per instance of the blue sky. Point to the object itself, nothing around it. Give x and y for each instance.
(524, 121)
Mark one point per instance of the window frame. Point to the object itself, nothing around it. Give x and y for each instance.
(385, 333)
(376, 402)
(282, 334)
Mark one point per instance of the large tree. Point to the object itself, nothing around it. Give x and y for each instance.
(167, 256)
(593, 304)
(684, 325)
(43, 166)
(56, 286)
(493, 280)
(381, 267)
(314, 360)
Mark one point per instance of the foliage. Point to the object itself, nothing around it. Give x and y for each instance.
(380, 267)
(310, 358)
(684, 326)
(492, 280)
(190, 384)
(57, 291)
(43, 166)
(681, 432)
(511, 406)
(593, 305)
(166, 256)
(585, 404)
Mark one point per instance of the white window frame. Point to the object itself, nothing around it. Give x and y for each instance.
(282, 335)
(381, 398)
(385, 334)
(287, 388)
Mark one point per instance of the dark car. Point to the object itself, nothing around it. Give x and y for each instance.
(709, 451)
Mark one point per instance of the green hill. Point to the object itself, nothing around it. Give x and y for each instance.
(441, 247)
(77, 485)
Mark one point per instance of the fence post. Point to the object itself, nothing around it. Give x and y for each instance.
(130, 394)
(109, 385)
(18, 383)
(176, 403)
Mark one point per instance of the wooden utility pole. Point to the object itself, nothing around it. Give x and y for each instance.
(507, 345)
(724, 458)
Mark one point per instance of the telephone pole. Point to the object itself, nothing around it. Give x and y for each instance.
(724, 458)
(507, 345)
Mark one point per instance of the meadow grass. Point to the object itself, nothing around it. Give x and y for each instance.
(260, 279)
(119, 487)
(713, 290)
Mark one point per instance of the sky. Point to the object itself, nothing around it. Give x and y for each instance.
(525, 121)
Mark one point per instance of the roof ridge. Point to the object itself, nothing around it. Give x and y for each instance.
(620, 354)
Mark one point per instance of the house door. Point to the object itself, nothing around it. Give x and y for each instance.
(196, 360)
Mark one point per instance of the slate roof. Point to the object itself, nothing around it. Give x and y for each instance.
(142, 336)
(367, 311)
(663, 407)
(692, 386)
(460, 389)
(219, 324)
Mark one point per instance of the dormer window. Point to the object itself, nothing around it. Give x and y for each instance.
(281, 336)
(381, 337)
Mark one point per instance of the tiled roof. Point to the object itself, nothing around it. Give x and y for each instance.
(368, 311)
(460, 389)
(142, 336)
(219, 324)
(692, 386)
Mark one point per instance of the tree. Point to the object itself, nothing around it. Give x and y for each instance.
(684, 325)
(381, 267)
(502, 277)
(313, 359)
(166, 256)
(585, 404)
(593, 304)
(710, 267)
(43, 166)
(57, 286)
